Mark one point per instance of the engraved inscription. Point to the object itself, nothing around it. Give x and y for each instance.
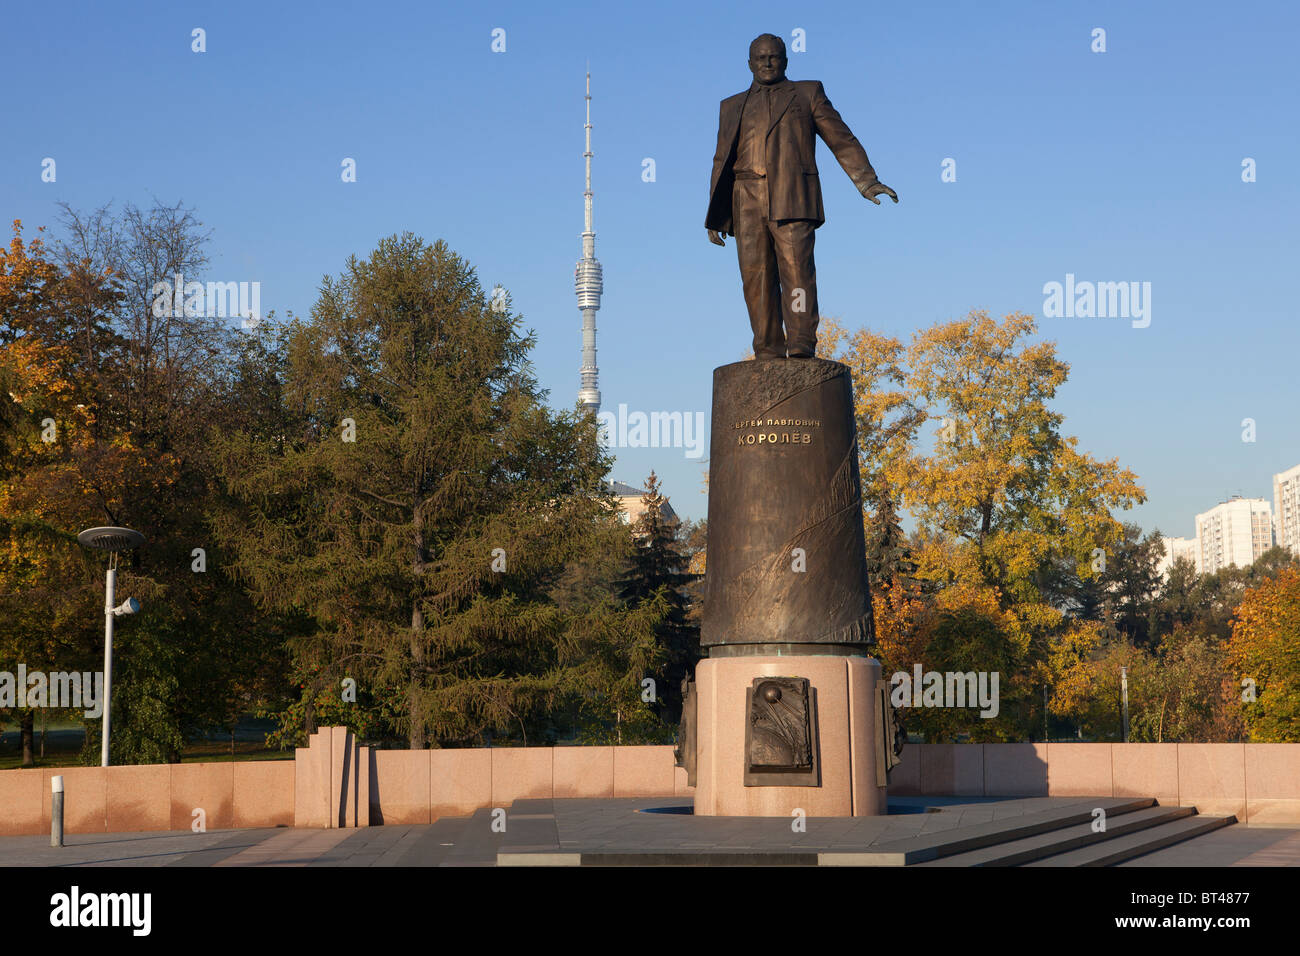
(766, 434)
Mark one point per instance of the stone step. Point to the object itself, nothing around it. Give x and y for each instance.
(667, 857)
(1079, 836)
(1135, 844)
(942, 843)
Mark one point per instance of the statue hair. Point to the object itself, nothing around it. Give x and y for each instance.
(768, 36)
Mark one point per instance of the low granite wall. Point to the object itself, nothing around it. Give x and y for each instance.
(418, 786)
(151, 797)
(1259, 783)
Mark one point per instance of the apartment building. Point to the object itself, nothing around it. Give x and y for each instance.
(1233, 532)
(1286, 508)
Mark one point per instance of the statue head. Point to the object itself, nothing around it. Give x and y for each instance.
(767, 59)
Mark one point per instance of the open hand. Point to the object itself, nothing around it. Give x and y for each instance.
(878, 189)
(716, 237)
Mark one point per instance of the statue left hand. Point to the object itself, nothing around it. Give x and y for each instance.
(877, 189)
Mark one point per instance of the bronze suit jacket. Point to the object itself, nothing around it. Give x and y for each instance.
(799, 110)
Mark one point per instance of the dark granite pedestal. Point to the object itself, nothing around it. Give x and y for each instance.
(787, 563)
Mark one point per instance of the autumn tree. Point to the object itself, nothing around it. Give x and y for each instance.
(115, 402)
(1011, 493)
(1001, 476)
(1185, 694)
(1263, 656)
(49, 609)
(1002, 501)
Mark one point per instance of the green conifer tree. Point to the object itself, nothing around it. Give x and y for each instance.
(425, 506)
(657, 567)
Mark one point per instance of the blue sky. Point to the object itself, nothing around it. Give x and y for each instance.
(1115, 166)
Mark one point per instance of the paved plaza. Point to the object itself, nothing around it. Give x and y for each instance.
(662, 831)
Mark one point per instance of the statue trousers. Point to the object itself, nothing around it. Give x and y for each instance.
(777, 273)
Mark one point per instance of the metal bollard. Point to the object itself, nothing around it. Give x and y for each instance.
(56, 811)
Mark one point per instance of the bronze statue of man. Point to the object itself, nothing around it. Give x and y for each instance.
(766, 193)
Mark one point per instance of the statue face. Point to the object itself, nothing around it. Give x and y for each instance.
(767, 62)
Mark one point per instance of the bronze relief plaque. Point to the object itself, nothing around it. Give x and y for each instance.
(781, 733)
(686, 753)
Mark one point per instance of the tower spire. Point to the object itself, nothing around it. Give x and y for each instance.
(588, 283)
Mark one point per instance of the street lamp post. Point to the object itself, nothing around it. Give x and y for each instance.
(1123, 683)
(111, 540)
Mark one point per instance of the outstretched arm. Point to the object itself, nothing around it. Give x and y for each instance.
(848, 151)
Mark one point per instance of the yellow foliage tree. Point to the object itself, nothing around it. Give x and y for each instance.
(1264, 656)
(1000, 501)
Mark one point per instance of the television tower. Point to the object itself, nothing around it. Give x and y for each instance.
(587, 282)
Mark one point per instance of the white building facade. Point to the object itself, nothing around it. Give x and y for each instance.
(1176, 548)
(1233, 532)
(1286, 508)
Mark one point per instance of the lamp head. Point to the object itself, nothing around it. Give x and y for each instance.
(129, 606)
(110, 539)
